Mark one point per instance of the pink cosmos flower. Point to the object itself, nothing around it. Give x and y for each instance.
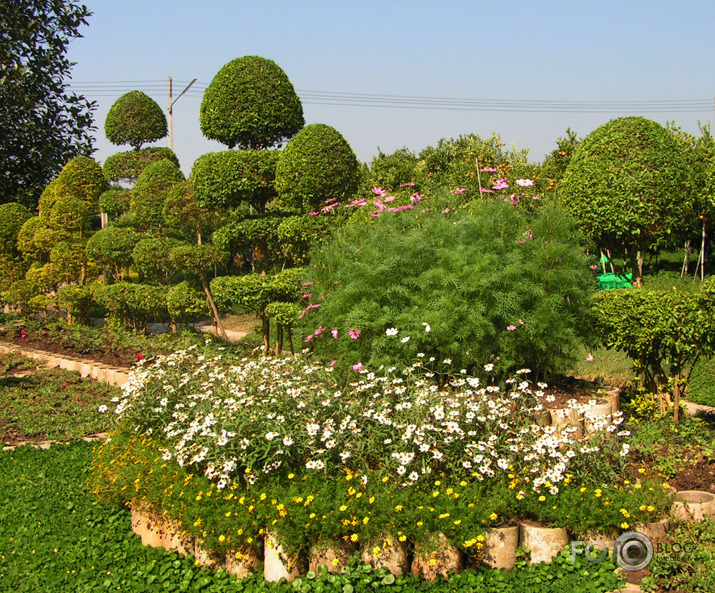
(416, 198)
(489, 169)
(23, 334)
(308, 283)
(309, 338)
(307, 295)
(319, 331)
(410, 184)
(333, 363)
(334, 331)
(446, 211)
(390, 199)
(459, 190)
(536, 198)
(484, 190)
(379, 191)
(313, 213)
(589, 358)
(358, 367)
(510, 328)
(140, 356)
(500, 184)
(354, 333)
(521, 322)
(525, 182)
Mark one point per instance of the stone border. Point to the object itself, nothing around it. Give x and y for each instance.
(86, 368)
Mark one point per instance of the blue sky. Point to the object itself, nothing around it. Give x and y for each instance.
(634, 52)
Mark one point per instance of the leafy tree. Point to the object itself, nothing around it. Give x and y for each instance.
(12, 217)
(390, 171)
(115, 201)
(150, 192)
(183, 212)
(556, 163)
(151, 258)
(251, 103)
(186, 304)
(134, 119)
(127, 166)
(629, 186)
(42, 125)
(317, 165)
(112, 248)
(227, 179)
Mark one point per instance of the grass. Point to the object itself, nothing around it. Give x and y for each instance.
(50, 403)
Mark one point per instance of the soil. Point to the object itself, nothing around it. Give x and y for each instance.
(567, 388)
(693, 469)
(117, 357)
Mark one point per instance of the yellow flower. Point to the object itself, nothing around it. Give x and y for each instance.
(228, 514)
(385, 479)
(371, 500)
(626, 482)
(444, 515)
(462, 483)
(263, 496)
(624, 525)
(398, 508)
(312, 516)
(651, 508)
(336, 561)
(638, 487)
(221, 538)
(432, 562)
(598, 493)
(420, 523)
(542, 498)
(493, 516)
(402, 538)
(354, 537)
(291, 476)
(641, 470)
(582, 489)
(642, 507)
(343, 508)
(435, 494)
(365, 520)
(437, 483)
(458, 522)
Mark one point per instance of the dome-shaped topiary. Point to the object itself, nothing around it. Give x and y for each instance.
(629, 186)
(251, 103)
(12, 217)
(316, 165)
(150, 191)
(135, 118)
(82, 178)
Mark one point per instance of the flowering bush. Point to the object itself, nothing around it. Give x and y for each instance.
(488, 279)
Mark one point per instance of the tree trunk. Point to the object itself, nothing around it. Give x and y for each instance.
(686, 260)
(290, 340)
(212, 304)
(266, 333)
(279, 339)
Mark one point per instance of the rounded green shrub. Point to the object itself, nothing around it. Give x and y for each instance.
(115, 202)
(151, 258)
(317, 165)
(70, 214)
(127, 166)
(297, 234)
(226, 179)
(629, 186)
(186, 304)
(251, 103)
(49, 197)
(150, 191)
(134, 305)
(111, 248)
(12, 217)
(135, 118)
(77, 302)
(82, 178)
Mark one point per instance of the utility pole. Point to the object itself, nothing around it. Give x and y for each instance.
(171, 108)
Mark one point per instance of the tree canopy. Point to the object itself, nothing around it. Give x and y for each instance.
(251, 103)
(134, 119)
(42, 124)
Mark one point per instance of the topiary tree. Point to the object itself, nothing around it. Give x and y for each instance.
(151, 258)
(186, 304)
(127, 166)
(317, 165)
(186, 216)
(82, 178)
(150, 192)
(12, 217)
(134, 119)
(251, 103)
(629, 186)
(112, 248)
(227, 179)
(115, 201)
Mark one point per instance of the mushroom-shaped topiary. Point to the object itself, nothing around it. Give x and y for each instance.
(317, 165)
(251, 103)
(135, 118)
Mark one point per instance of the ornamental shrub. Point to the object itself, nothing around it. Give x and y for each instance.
(83, 179)
(77, 302)
(317, 165)
(232, 177)
(253, 239)
(12, 217)
(149, 194)
(297, 234)
(628, 184)
(664, 333)
(135, 118)
(127, 166)
(112, 248)
(251, 103)
(468, 285)
(134, 305)
(35, 239)
(151, 257)
(186, 304)
(115, 201)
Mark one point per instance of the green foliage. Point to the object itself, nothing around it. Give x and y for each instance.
(71, 215)
(115, 202)
(556, 163)
(251, 103)
(664, 333)
(151, 257)
(134, 305)
(186, 304)
(23, 295)
(317, 165)
(83, 179)
(485, 281)
(127, 166)
(184, 214)
(391, 171)
(227, 179)
(77, 302)
(247, 237)
(36, 239)
(255, 291)
(49, 197)
(12, 217)
(70, 258)
(150, 192)
(112, 248)
(42, 124)
(629, 186)
(135, 118)
(297, 234)
(196, 259)
(701, 386)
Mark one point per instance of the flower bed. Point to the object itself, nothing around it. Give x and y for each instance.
(233, 449)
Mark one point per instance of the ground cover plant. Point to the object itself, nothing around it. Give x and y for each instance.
(49, 403)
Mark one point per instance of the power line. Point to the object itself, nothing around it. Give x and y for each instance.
(417, 102)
